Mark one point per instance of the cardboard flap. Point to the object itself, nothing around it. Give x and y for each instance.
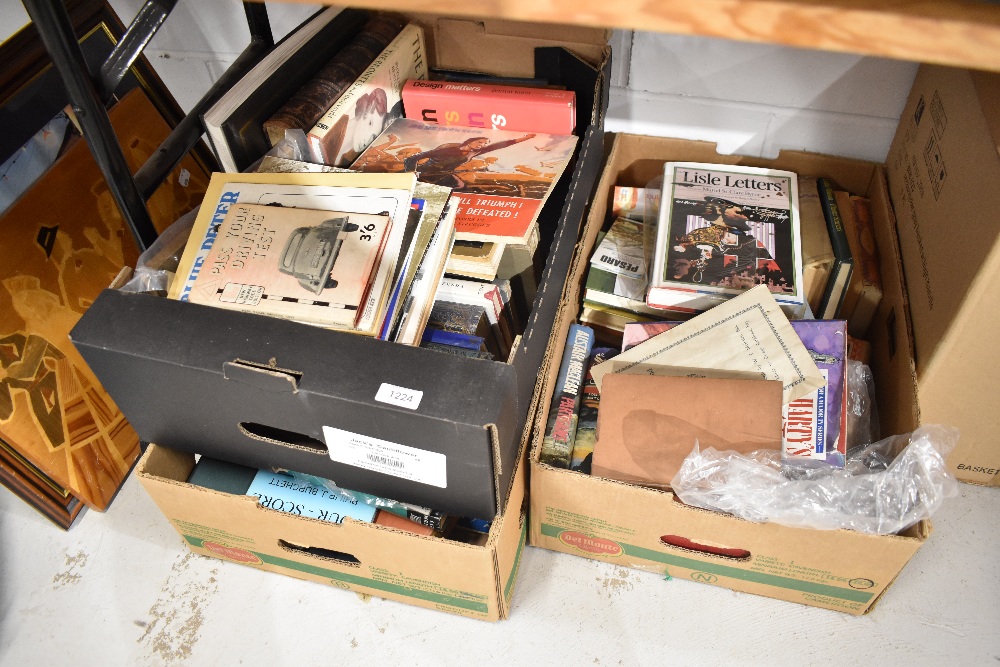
(465, 43)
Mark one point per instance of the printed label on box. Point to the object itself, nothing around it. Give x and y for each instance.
(389, 458)
(399, 396)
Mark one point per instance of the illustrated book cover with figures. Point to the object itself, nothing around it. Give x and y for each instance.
(722, 230)
(62, 243)
(372, 194)
(371, 102)
(297, 263)
(503, 177)
(311, 101)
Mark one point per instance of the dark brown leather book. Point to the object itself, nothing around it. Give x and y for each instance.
(308, 105)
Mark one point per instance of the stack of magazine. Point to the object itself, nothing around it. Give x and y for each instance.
(354, 252)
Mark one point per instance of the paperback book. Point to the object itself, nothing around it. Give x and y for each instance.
(564, 411)
(370, 103)
(417, 304)
(503, 177)
(722, 230)
(433, 200)
(586, 428)
(620, 251)
(302, 264)
(491, 296)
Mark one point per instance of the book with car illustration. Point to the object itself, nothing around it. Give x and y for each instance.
(309, 265)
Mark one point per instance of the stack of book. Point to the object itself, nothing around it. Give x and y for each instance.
(337, 78)
(617, 277)
(854, 289)
(335, 249)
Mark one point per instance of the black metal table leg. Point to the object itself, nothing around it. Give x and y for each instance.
(56, 31)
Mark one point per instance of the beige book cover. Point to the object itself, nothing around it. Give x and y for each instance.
(746, 337)
(347, 192)
(309, 265)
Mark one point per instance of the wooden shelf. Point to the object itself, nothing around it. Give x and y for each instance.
(950, 32)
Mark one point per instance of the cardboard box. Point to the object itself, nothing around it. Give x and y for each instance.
(258, 390)
(465, 579)
(944, 178)
(649, 529)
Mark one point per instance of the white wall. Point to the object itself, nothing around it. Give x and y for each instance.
(751, 99)
(755, 99)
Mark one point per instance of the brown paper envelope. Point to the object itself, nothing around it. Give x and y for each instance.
(648, 424)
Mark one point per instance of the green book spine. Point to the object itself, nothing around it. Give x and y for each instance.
(843, 265)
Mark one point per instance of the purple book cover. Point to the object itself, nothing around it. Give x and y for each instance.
(813, 426)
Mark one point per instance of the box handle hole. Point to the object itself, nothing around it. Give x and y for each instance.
(282, 437)
(320, 552)
(710, 549)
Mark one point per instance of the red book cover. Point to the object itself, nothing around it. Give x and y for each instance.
(503, 178)
(490, 106)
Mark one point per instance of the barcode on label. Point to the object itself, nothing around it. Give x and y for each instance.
(384, 460)
(388, 458)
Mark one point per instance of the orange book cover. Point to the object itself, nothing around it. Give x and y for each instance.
(303, 264)
(503, 177)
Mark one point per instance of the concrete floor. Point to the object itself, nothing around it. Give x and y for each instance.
(120, 589)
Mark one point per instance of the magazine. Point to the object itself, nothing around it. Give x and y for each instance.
(504, 177)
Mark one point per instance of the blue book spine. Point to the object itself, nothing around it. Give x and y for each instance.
(564, 411)
(455, 339)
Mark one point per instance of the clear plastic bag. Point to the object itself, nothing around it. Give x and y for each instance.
(880, 491)
(157, 265)
(862, 415)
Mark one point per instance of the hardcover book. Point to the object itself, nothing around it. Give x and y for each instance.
(560, 431)
(308, 104)
(817, 251)
(235, 123)
(368, 105)
(302, 264)
(503, 177)
(843, 264)
(722, 230)
(864, 291)
(491, 106)
(374, 194)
